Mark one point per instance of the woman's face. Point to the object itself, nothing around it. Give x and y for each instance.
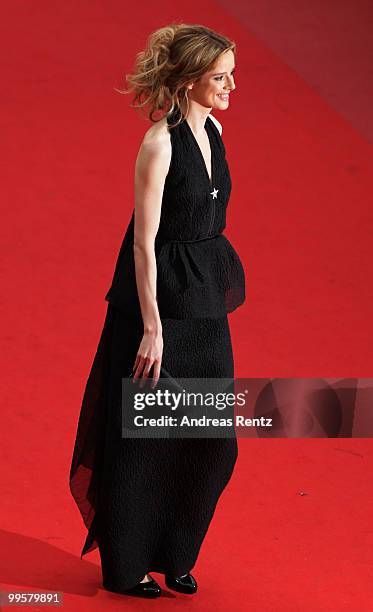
(213, 88)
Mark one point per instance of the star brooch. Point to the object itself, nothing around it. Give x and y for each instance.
(214, 193)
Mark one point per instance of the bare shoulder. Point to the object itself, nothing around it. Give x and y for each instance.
(217, 123)
(157, 138)
(155, 149)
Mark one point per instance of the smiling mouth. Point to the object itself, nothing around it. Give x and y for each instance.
(223, 96)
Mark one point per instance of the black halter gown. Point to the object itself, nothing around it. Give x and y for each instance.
(147, 503)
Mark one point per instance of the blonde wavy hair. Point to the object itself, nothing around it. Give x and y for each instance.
(175, 55)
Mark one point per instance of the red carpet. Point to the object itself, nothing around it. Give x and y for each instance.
(301, 220)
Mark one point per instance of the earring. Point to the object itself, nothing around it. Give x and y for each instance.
(187, 99)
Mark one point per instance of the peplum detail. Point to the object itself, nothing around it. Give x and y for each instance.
(199, 279)
(195, 279)
(199, 273)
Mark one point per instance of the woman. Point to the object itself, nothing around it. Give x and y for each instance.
(147, 503)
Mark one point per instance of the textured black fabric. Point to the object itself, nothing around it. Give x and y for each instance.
(199, 274)
(147, 503)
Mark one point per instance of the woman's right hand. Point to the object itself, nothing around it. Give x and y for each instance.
(149, 355)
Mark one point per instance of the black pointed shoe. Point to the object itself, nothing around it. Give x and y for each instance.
(148, 589)
(183, 584)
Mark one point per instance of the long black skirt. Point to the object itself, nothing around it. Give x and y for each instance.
(147, 503)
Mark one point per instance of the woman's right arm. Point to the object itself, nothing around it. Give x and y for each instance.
(152, 165)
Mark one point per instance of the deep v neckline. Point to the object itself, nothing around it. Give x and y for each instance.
(210, 181)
